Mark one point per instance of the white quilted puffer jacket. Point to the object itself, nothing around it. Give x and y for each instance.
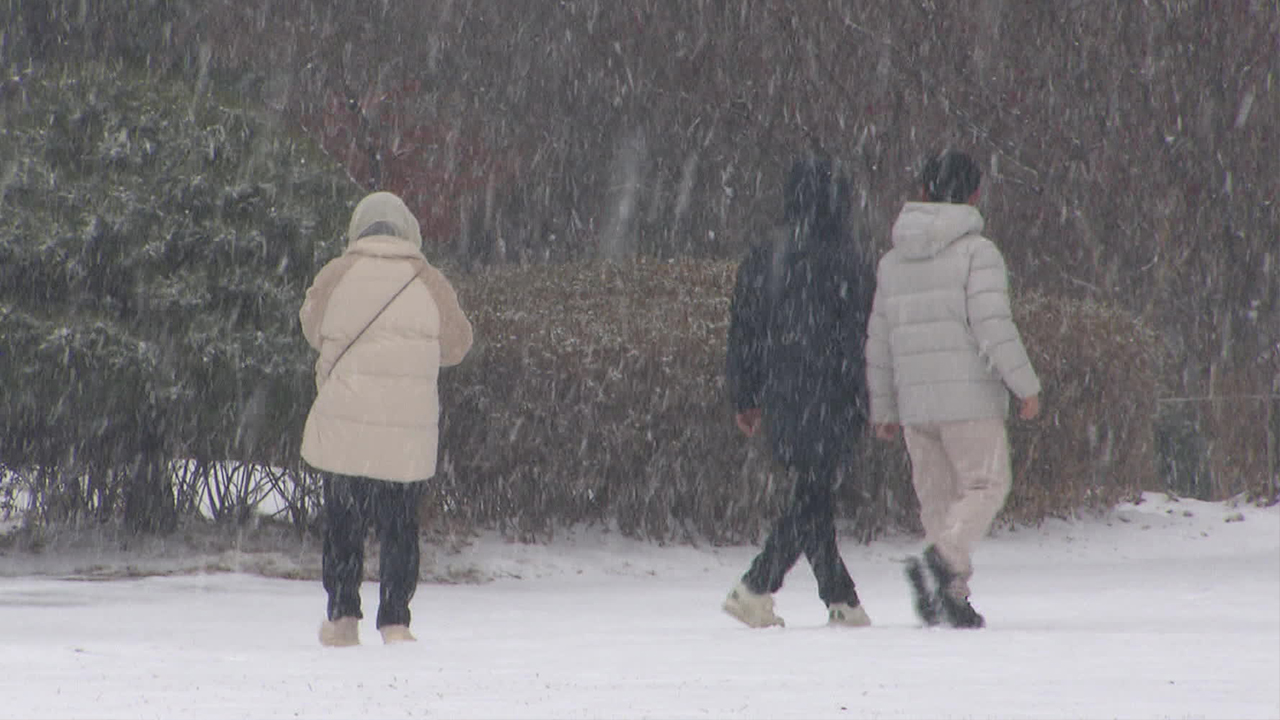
(941, 342)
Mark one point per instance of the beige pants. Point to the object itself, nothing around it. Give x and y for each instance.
(962, 476)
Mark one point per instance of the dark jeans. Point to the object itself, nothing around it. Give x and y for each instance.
(350, 505)
(807, 525)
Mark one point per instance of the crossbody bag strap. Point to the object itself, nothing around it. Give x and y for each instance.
(421, 267)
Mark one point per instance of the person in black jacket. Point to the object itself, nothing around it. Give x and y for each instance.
(795, 368)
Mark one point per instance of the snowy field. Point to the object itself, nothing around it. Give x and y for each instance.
(1160, 610)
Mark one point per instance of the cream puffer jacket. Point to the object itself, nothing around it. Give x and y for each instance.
(941, 342)
(377, 409)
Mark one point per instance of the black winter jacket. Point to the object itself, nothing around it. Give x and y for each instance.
(797, 329)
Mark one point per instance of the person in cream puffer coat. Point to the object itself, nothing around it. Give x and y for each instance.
(384, 322)
(943, 355)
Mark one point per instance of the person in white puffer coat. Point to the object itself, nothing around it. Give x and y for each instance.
(943, 355)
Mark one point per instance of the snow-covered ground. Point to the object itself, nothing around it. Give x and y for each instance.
(1163, 609)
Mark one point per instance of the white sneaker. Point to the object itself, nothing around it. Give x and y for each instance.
(752, 609)
(845, 615)
(392, 634)
(343, 632)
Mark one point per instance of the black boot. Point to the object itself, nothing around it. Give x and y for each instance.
(927, 605)
(957, 612)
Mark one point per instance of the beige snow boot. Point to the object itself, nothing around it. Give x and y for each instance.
(752, 609)
(343, 632)
(846, 615)
(392, 634)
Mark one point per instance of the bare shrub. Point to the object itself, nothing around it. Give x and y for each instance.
(1095, 446)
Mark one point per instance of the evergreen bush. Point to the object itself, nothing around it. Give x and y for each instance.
(155, 244)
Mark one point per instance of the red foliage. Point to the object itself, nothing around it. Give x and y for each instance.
(432, 165)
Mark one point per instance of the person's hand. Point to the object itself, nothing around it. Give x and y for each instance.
(748, 421)
(1030, 407)
(886, 431)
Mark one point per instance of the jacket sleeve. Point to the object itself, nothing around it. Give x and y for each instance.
(855, 297)
(316, 303)
(880, 385)
(744, 352)
(455, 329)
(987, 303)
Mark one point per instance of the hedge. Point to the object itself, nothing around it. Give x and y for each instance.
(595, 393)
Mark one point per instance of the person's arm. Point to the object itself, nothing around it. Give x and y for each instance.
(990, 317)
(744, 361)
(311, 314)
(855, 297)
(455, 329)
(880, 385)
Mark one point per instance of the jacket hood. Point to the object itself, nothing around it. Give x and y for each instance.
(815, 201)
(391, 216)
(923, 229)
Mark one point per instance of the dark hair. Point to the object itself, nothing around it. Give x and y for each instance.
(813, 198)
(382, 227)
(950, 176)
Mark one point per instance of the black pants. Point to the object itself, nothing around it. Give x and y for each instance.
(350, 504)
(807, 525)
